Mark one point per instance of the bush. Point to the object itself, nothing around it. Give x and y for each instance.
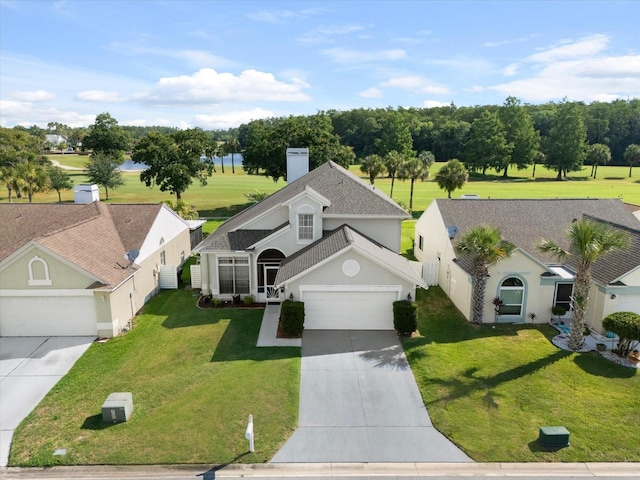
(248, 300)
(405, 317)
(292, 317)
(627, 326)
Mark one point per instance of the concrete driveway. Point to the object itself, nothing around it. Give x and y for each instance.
(359, 402)
(29, 368)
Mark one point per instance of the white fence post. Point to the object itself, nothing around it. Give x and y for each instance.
(248, 434)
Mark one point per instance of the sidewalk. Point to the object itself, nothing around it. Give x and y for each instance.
(292, 470)
(269, 329)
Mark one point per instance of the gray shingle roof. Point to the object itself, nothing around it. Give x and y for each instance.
(336, 241)
(95, 237)
(526, 222)
(348, 194)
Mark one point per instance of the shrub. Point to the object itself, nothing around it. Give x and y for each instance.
(249, 300)
(292, 317)
(558, 311)
(627, 326)
(216, 301)
(405, 317)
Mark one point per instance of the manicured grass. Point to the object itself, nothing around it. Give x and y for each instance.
(195, 376)
(490, 389)
(225, 193)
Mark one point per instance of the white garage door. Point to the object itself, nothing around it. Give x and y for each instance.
(348, 310)
(47, 316)
(629, 303)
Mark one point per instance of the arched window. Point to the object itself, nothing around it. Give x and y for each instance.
(38, 272)
(512, 294)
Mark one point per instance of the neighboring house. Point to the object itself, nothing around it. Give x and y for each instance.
(529, 282)
(70, 269)
(327, 239)
(54, 140)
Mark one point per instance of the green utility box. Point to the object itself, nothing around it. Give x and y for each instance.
(553, 437)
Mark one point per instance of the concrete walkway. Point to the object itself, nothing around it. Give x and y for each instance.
(359, 402)
(29, 368)
(269, 329)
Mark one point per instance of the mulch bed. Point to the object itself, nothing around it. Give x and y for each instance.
(206, 302)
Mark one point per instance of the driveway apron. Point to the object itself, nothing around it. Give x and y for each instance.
(359, 402)
(29, 368)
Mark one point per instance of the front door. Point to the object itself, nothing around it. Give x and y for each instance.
(564, 292)
(270, 272)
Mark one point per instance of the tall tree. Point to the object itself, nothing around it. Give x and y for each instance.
(519, 133)
(221, 151)
(486, 247)
(59, 180)
(487, 146)
(565, 147)
(232, 146)
(394, 162)
(174, 160)
(395, 135)
(107, 137)
(372, 165)
(452, 176)
(597, 154)
(428, 159)
(102, 170)
(632, 156)
(34, 178)
(589, 241)
(413, 169)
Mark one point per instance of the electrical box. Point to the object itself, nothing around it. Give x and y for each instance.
(117, 407)
(553, 437)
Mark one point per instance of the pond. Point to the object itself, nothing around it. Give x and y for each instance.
(130, 166)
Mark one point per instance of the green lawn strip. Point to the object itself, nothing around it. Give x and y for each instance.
(490, 389)
(195, 376)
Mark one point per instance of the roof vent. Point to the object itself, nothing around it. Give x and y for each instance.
(452, 231)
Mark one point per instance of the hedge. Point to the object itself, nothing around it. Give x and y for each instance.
(292, 317)
(405, 317)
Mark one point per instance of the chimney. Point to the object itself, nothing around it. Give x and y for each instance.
(297, 163)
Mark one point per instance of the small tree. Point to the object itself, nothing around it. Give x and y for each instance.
(452, 176)
(60, 180)
(598, 154)
(627, 326)
(394, 162)
(102, 170)
(413, 169)
(632, 156)
(372, 165)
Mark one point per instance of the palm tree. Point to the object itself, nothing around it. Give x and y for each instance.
(452, 176)
(598, 154)
(232, 146)
(393, 162)
(485, 246)
(589, 241)
(632, 156)
(413, 169)
(372, 165)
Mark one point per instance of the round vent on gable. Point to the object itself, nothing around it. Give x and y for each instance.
(351, 268)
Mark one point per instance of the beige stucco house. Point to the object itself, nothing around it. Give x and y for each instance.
(71, 269)
(530, 283)
(327, 239)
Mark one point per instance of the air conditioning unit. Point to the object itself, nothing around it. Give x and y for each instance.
(117, 407)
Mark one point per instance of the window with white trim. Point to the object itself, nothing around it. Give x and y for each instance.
(163, 258)
(512, 295)
(305, 226)
(420, 242)
(233, 275)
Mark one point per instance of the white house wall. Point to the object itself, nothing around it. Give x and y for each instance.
(331, 274)
(270, 221)
(167, 226)
(386, 231)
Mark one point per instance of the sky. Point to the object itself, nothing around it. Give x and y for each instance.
(218, 64)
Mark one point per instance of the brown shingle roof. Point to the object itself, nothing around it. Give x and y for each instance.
(347, 193)
(94, 237)
(526, 222)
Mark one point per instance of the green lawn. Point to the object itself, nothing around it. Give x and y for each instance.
(195, 376)
(490, 389)
(225, 193)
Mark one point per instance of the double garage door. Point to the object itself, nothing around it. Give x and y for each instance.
(348, 310)
(47, 316)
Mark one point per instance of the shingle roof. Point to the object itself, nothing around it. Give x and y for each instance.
(335, 241)
(348, 194)
(95, 237)
(526, 222)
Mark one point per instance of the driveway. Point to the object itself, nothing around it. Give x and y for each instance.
(359, 402)
(29, 368)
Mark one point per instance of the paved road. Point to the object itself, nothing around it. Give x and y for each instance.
(351, 471)
(29, 368)
(359, 402)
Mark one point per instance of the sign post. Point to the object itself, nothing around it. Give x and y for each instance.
(248, 434)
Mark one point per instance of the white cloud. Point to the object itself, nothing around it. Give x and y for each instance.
(33, 96)
(196, 58)
(327, 34)
(510, 70)
(372, 92)
(434, 103)
(416, 84)
(348, 56)
(578, 70)
(207, 86)
(101, 96)
(281, 16)
(27, 114)
(227, 120)
(475, 89)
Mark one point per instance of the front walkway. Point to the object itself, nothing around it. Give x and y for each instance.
(359, 402)
(268, 336)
